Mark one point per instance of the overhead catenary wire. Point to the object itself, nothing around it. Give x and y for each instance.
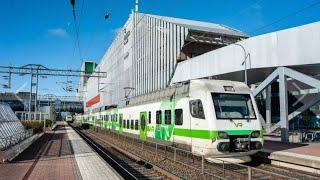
(76, 27)
(286, 16)
(251, 5)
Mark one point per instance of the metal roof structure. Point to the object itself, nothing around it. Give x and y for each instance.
(202, 26)
(12, 131)
(297, 48)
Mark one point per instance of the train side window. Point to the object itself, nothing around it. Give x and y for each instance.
(167, 116)
(124, 124)
(132, 124)
(128, 124)
(196, 109)
(178, 114)
(120, 120)
(136, 125)
(158, 117)
(149, 117)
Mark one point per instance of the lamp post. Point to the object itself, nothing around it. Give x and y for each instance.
(244, 62)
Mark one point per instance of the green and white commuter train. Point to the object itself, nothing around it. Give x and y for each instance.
(214, 118)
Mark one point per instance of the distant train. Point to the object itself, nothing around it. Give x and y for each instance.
(213, 118)
(69, 118)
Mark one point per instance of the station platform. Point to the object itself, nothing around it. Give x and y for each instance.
(59, 154)
(297, 156)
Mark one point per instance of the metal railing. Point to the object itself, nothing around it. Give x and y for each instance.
(223, 167)
(8, 141)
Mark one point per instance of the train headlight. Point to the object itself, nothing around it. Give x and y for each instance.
(255, 134)
(223, 135)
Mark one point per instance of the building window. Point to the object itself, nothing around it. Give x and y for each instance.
(167, 116)
(196, 109)
(158, 117)
(178, 114)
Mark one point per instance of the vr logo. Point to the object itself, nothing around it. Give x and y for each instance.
(238, 125)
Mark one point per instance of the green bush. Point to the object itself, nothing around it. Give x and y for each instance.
(37, 126)
(48, 122)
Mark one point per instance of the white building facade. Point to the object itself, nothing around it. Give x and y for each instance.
(143, 56)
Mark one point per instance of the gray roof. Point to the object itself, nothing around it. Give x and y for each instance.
(201, 26)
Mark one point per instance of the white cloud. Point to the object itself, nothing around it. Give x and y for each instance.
(58, 32)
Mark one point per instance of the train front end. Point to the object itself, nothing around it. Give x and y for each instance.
(233, 120)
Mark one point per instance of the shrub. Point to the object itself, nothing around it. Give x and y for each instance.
(37, 126)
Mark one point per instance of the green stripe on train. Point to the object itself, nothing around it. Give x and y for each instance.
(206, 134)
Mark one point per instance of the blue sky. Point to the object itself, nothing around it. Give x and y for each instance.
(42, 32)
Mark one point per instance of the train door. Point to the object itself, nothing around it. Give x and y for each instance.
(143, 125)
(197, 125)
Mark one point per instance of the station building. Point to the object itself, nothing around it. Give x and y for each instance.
(144, 55)
(151, 52)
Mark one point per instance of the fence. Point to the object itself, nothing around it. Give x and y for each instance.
(11, 129)
(220, 169)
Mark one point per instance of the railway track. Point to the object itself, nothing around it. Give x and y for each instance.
(125, 163)
(188, 166)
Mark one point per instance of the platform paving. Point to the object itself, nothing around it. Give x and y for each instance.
(300, 156)
(312, 149)
(59, 154)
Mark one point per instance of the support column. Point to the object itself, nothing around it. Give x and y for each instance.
(36, 96)
(283, 97)
(30, 96)
(268, 108)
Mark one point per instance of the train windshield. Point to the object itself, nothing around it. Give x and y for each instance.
(233, 106)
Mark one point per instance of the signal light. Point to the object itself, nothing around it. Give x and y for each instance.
(223, 135)
(228, 88)
(255, 134)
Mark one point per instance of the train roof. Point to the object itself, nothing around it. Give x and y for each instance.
(219, 85)
(182, 90)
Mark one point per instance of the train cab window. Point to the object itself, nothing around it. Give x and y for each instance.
(132, 124)
(158, 117)
(149, 117)
(167, 116)
(128, 124)
(178, 114)
(233, 106)
(196, 109)
(136, 124)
